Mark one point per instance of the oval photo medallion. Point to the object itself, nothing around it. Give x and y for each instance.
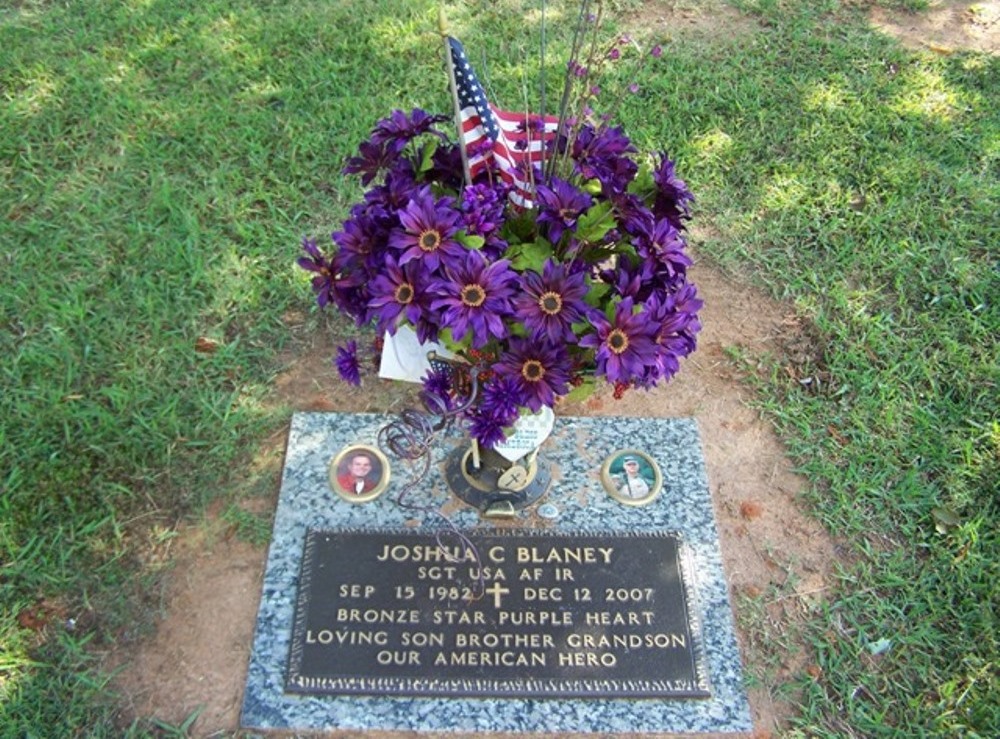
(631, 477)
(359, 473)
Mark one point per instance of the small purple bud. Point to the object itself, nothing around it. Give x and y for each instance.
(580, 71)
(657, 51)
(614, 54)
(591, 17)
(595, 90)
(633, 88)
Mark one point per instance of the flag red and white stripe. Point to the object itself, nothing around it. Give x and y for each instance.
(511, 143)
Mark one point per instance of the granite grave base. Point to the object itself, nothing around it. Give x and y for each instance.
(575, 502)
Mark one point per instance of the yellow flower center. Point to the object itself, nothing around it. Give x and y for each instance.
(617, 341)
(404, 294)
(429, 240)
(473, 296)
(550, 303)
(532, 370)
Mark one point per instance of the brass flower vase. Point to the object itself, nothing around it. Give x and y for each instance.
(496, 486)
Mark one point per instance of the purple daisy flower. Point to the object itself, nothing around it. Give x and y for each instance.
(398, 129)
(483, 214)
(447, 168)
(347, 362)
(486, 428)
(686, 299)
(631, 214)
(672, 197)
(372, 158)
(322, 282)
(552, 301)
(541, 370)
(438, 382)
(503, 399)
(677, 317)
(361, 240)
(481, 152)
(350, 280)
(436, 393)
(397, 293)
(686, 303)
(475, 296)
(532, 123)
(664, 244)
(626, 347)
(630, 280)
(603, 155)
(560, 205)
(399, 188)
(428, 230)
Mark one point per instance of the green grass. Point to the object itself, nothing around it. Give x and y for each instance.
(161, 161)
(860, 181)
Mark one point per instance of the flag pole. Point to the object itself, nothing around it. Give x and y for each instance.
(542, 85)
(443, 29)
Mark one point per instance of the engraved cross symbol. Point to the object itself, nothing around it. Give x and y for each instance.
(496, 590)
(513, 479)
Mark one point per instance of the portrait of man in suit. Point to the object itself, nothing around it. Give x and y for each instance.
(359, 473)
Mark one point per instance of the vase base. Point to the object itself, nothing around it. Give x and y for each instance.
(493, 491)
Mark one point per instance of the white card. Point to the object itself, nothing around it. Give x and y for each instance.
(405, 358)
(529, 433)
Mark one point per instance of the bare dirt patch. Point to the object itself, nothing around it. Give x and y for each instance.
(945, 27)
(776, 558)
(197, 659)
(705, 20)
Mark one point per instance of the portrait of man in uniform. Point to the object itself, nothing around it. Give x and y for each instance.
(631, 477)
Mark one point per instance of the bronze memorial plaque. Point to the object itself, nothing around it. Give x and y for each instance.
(561, 615)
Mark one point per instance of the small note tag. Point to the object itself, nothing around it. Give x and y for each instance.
(405, 358)
(529, 433)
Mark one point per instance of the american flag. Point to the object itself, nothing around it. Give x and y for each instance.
(512, 142)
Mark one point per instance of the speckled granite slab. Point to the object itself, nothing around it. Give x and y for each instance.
(577, 449)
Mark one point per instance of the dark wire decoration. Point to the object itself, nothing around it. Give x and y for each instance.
(412, 437)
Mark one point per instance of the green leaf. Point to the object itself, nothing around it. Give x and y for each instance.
(520, 228)
(643, 184)
(448, 340)
(427, 155)
(595, 294)
(470, 241)
(595, 223)
(530, 255)
(945, 520)
(609, 310)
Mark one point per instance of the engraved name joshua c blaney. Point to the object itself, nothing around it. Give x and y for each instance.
(545, 578)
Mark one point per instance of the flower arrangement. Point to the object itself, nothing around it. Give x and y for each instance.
(588, 285)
